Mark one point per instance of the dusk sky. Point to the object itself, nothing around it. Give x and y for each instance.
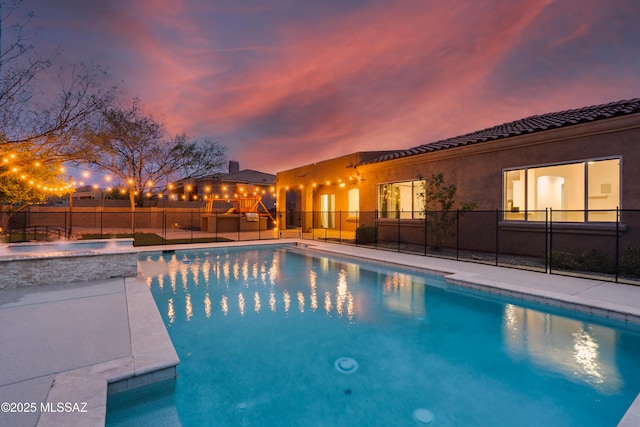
(283, 83)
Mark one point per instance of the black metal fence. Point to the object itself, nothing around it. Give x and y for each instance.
(148, 226)
(548, 241)
(552, 243)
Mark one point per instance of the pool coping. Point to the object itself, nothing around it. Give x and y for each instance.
(154, 358)
(472, 280)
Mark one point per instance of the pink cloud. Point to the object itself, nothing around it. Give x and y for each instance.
(379, 79)
(281, 85)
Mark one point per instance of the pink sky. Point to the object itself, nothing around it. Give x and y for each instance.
(283, 83)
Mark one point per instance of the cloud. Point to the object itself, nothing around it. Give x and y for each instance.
(286, 83)
(374, 79)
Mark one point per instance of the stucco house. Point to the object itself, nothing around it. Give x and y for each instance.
(223, 187)
(574, 168)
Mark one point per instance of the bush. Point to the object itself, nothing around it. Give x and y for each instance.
(365, 234)
(630, 262)
(599, 262)
(439, 214)
(591, 261)
(565, 261)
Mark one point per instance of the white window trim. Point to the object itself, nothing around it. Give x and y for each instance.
(572, 162)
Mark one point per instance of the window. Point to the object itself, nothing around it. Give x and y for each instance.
(354, 203)
(401, 199)
(327, 210)
(568, 189)
(603, 193)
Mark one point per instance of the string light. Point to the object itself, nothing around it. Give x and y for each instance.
(21, 169)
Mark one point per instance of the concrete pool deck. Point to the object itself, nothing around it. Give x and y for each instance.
(66, 343)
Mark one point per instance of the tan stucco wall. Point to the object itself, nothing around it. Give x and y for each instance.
(477, 170)
(335, 176)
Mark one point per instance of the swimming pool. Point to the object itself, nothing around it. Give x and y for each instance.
(277, 337)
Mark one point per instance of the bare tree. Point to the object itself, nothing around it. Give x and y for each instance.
(134, 147)
(45, 124)
(19, 64)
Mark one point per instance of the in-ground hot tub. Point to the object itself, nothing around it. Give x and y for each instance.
(28, 264)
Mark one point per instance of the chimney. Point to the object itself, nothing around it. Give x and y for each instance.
(234, 166)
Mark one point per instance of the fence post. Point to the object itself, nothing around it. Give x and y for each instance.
(101, 221)
(326, 228)
(457, 234)
(497, 236)
(398, 235)
(550, 240)
(340, 227)
(375, 221)
(617, 242)
(424, 232)
(164, 226)
(546, 241)
(192, 226)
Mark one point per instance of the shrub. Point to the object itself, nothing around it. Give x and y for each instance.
(599, 262)
(630, 262)
(365, 234)
(439, 214)
(590, 261)
(565, 260)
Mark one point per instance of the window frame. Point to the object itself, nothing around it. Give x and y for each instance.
(397, 214)
(585, 195)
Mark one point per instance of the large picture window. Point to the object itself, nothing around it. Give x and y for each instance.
(401, 199)
(576, 192)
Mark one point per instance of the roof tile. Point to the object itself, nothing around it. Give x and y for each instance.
(524, 126)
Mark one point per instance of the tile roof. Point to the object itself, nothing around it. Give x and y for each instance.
(249, 176)
(527, 125)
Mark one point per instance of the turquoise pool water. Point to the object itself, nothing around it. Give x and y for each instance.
(279, 338)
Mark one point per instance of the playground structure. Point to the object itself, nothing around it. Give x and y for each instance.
(245, 215)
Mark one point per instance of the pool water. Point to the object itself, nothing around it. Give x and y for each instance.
(275, 337)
